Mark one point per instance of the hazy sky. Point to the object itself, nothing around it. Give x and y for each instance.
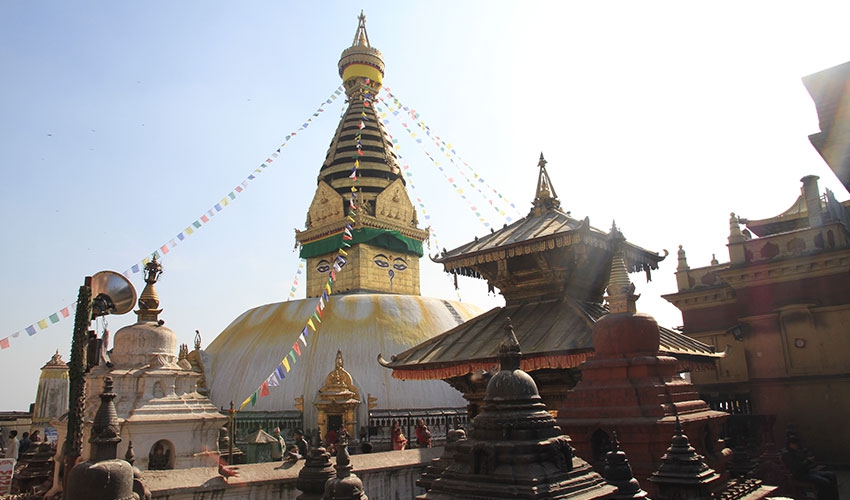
(122, 123)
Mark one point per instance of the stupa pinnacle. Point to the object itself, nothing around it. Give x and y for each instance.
(361, 172)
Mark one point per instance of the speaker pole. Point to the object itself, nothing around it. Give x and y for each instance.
(73, 447)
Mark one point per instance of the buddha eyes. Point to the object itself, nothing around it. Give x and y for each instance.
(383, 261)
(399, 264)
(323, 266)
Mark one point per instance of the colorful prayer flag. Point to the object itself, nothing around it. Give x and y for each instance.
(264, 389)
(303, 339)
(297, 348)
(54, 318)
(311, 325)
(279, 372)
(30, 330)
(42, 324)
(65, 312)
(272, 380)
(286, 364)
(4, 343)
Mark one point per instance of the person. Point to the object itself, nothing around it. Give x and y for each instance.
(25, 444)
(14, 445)
(803, 468)
(2, 440)
(423, 434)
(34, 437)
(398, 439)
(330, 441)
(292, 455)
(278, 445)
(300, 442)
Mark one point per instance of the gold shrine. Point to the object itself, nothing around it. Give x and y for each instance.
(337, 400)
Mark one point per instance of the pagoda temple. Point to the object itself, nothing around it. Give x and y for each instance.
(361, 229)
(552, 270)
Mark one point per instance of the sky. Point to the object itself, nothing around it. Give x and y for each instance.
(123, 123)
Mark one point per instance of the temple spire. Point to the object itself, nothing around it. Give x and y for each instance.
(545, 198)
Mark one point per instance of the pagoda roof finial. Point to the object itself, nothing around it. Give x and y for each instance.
(545, 198)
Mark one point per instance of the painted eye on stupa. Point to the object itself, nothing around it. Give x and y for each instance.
(381, 260)
(323, 266)
(399, 264)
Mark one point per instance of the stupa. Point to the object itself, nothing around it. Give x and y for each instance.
(375, 304)
(158, 405)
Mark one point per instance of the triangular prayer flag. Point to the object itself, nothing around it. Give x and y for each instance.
(297, 348)
(272, 380)
(310, 324)
(321, 303)
(316, 316)
(264, 390)
(337, 268)
(286, 364)
(353, 175)
(279, 372)
(343, 252)
(362, 125)
(303, 339)
(325, 296)
(305, 332)
(254, 398)
(292, 355)
(333, 273)
(328, 287)
(245, 403)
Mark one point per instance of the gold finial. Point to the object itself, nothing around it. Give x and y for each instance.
(149, 300)
(197, 340)
(545, 198)
(621, 297)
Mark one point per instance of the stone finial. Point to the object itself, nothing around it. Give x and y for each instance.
(618, 472)
(714, 260)
(105, 430)
(510, 354)
(735, 234)
(683, 260)
(346, 485)
(197, 340)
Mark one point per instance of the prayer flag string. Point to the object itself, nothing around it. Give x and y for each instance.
(190, 229)
(500, 203)
(314, 321)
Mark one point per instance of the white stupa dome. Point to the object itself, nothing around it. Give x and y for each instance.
(361, 326)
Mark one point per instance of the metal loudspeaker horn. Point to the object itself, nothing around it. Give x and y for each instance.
(113, 294)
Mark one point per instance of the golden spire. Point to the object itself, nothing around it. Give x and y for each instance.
(621, 297)
(545, 198)
(149, 300)
(361, 66)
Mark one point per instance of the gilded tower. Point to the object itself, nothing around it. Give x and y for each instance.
(361, 202)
